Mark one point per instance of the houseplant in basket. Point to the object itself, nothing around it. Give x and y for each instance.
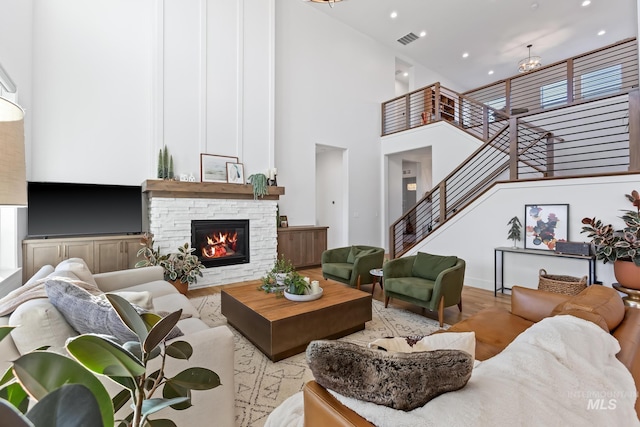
(181, 268)
(621, 247)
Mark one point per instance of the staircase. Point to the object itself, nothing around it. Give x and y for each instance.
(579, 117)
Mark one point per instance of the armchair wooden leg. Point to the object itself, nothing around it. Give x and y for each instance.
(358, 282)
(386, 301)
(460, 305)
(441, 311)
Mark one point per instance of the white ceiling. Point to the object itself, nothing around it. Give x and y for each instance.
(495, 33)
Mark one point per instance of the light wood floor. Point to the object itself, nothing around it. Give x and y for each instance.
(473, 299)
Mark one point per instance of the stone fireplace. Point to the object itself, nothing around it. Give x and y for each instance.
(220, 242)
(173, 206)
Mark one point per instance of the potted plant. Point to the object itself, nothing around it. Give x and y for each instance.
(621, 247)
(274, 280)
(295, 284)
(181, 268)
(515, 231)
(68, 392)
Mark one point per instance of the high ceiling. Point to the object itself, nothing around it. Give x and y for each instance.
(494, 33)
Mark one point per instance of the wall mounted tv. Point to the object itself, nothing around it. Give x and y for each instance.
(65, 209)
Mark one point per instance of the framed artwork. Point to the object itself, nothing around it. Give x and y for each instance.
(284, 223)
(545, 225)
(235, 173)
(213, 168)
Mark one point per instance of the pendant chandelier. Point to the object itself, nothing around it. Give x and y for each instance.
(329, 2)
(529, 64)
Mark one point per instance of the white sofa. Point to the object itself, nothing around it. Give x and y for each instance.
(40, 323)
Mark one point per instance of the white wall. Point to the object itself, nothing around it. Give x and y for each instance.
(474, 233)
(330, 83)
(449, 147)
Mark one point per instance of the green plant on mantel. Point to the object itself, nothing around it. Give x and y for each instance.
(260, 185)
(182, 266)
(612, 245)
(69, 394)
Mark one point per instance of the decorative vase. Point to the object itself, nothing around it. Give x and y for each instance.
(627, 274)
(180, 286)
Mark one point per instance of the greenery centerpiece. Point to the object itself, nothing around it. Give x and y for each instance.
(181, 268)
(515, 230)
(68, 393)
(274, 280)
(621, 247)
(295, 284)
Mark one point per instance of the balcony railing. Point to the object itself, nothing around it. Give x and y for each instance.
(597, 132)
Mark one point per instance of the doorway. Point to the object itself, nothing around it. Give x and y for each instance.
(332, 192)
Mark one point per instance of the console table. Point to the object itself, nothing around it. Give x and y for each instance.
(498, 258)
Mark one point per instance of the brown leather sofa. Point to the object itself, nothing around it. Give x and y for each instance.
(495, 328)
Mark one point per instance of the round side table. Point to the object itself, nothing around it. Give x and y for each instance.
(376, 273)
(633, 295)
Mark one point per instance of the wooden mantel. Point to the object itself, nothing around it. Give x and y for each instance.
(205, 190)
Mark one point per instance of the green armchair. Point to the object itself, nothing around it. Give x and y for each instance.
(351, 265)
(429, 281)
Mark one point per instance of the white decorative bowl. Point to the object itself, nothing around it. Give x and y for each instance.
(302, 298)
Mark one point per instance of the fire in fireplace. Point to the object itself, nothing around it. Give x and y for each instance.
(221, 242)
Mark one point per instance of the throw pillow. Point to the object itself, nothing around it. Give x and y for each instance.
(602, 300)
(78, 267)
(90, 314)
(398, 380)
(351, 258)
(39, 324)
(463, 341)
(142, 299)
(428, 266)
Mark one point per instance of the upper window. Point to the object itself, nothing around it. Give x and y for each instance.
(601, 82)
(553, 94)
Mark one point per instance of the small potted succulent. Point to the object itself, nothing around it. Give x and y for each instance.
(295, 284)
(621, 247)
(181, 268)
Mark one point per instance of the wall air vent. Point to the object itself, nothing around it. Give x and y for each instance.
(409, 38)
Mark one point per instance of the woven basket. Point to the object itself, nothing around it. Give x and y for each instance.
(567, 285)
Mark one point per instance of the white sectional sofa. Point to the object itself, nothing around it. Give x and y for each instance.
(40, 323)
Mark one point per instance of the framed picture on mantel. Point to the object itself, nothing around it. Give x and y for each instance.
(545, 225)
(213, 168)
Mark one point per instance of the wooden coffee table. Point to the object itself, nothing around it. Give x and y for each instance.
(281, 328)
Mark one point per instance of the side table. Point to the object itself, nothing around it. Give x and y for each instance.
(633, 295)
(376, 273)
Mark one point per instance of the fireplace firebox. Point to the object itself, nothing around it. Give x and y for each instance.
(221, 242)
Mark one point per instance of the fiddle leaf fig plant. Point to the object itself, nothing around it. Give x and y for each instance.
(68, 388)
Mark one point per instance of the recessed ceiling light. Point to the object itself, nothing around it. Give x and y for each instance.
(465, 55)
(406, 74)
(394, 14)
(490, 72)
(423, 33)
(586, 3)
(602, 32)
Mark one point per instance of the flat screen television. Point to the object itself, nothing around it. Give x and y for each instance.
(65, 209)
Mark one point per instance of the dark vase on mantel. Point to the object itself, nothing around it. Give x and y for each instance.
(627, 274)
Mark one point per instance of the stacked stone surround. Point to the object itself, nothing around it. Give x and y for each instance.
(170, 223)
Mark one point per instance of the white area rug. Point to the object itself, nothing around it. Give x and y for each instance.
(261, 385)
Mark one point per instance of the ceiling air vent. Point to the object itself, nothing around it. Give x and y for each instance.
(409, 38)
